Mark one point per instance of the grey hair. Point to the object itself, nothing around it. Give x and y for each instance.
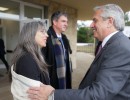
(26, 43)
(114, 11)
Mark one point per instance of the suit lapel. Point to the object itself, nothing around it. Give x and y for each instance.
(89, 76)
(106, 45)
(94, 68)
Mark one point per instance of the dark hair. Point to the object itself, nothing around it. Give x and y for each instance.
(56, 15)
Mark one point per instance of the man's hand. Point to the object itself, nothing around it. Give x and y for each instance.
(40, 93)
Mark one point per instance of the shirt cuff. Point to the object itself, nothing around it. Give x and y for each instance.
(51, 97)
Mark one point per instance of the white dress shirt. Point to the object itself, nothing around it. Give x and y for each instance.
(107, 38)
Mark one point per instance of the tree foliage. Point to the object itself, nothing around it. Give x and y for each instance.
(126, 18)
(85, 35)
(127, 23)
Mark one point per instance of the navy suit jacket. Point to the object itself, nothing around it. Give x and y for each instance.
(108, 77)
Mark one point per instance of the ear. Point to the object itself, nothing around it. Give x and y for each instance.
(110, 22)
(54, 22)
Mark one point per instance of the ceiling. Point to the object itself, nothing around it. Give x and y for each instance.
(85, 7)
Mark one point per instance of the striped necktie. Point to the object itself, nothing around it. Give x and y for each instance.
(60, 39)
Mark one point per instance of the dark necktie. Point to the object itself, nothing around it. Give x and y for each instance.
(63, 48)
(99, 49)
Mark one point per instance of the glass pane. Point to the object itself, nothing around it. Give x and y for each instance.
(11, 36)
(9, 31)
(33, 13)
(12, 7)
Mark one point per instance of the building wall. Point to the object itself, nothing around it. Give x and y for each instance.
(72, 28)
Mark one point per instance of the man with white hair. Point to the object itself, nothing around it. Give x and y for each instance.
(109, 75)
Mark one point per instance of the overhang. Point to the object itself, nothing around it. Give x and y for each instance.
(85, 7)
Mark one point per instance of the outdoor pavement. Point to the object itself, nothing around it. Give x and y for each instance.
(83, 62)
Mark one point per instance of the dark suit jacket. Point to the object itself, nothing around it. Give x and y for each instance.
(2, 48)
(109, 75)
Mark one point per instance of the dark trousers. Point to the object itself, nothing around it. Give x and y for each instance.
(4, 61)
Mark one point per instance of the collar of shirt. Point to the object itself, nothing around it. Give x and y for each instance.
(59, 35)
(107, 38)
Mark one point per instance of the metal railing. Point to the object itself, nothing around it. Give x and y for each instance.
(86, 47)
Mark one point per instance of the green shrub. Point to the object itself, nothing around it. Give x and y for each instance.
(85, 35)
